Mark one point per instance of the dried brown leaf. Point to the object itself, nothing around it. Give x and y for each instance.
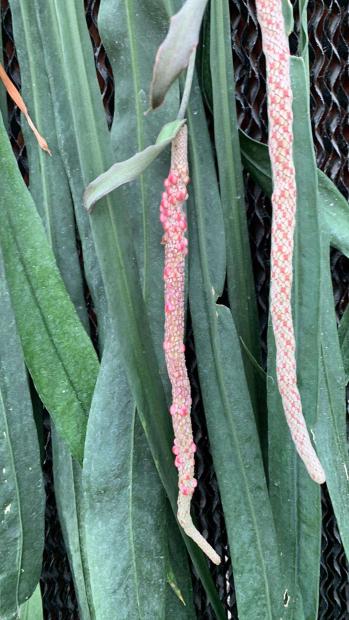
(17, 98)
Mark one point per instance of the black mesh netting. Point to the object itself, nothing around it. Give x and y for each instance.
(329, 41)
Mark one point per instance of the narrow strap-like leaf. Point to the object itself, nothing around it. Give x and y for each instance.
(231, 425)
(298, 521)
(59, 355)
(111, 229)
(22, 498)
(239, 269)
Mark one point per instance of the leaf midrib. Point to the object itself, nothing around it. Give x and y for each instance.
(213, 338)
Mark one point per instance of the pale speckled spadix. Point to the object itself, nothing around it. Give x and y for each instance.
(284, 203)
(174, 222)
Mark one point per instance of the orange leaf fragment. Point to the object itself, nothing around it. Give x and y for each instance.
(17, 98)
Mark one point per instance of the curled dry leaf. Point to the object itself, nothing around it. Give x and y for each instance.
(174, 53)
(17, 98)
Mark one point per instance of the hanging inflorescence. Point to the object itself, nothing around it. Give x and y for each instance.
(284, 202)
(174, 222)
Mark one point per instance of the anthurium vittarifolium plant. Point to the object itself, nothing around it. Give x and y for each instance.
(157, 204)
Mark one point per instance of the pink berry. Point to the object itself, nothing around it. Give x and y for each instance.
(178, 461)
(173, 409)
(181, 195)
(175, 450)
(193, 447)
(173, 178)
(166, 183)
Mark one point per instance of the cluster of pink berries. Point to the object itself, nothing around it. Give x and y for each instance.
(173, 221)
(187, 483)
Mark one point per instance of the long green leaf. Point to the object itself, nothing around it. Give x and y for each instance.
(230, 420)
(130, 33)
(330, 429)
(119, 490)
(133, 25)
(330, 441)
(50, 189)
(59, 355)
(47, 18)
(239, 269)
(295, 497)
(22, 498)
(111, 230)
(49, 185)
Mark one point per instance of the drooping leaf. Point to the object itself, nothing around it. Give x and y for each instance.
(174, 53)
(59, 355)
(330, 430)
(119, 490)
(32, 609)
(240, 281)
(22, 498)
(49, 20)
(67, 476)
(129, 34)
(330, 433)
(50, 189)
(111, 227)
(126, 171)
(334, 222)
(49, 184)
(230, 420)
(295, 497)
